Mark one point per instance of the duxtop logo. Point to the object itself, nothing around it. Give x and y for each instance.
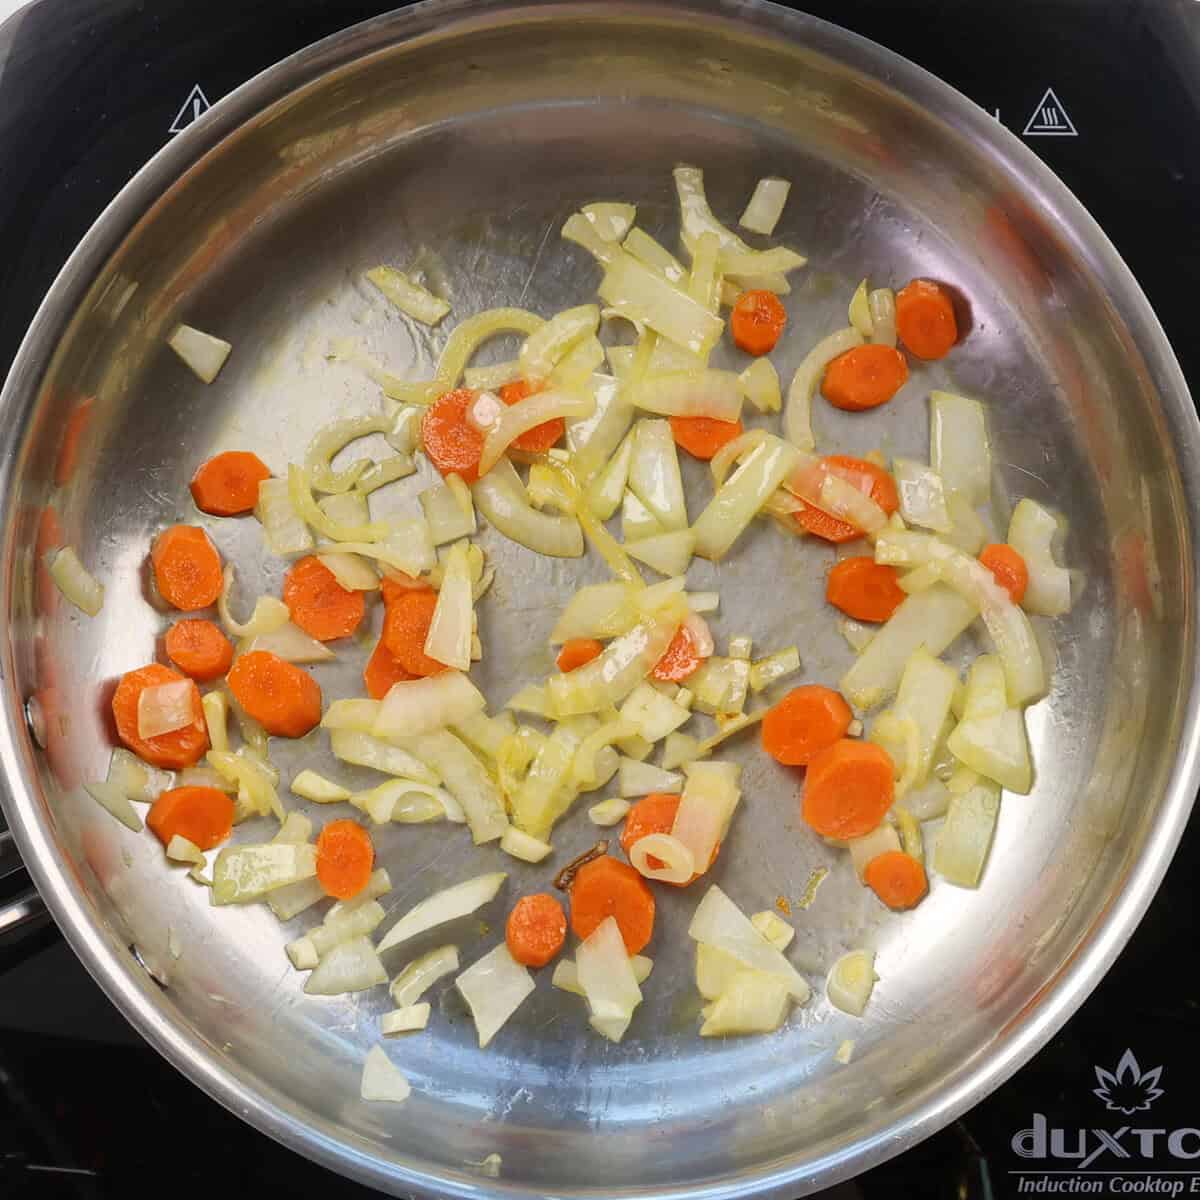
(1127, 1160)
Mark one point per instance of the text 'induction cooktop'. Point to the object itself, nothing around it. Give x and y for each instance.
(1108, 94)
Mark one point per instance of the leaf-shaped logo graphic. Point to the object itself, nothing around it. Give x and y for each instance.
(1127, 1089)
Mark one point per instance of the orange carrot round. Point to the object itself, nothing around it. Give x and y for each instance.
(283, 699)
(925, 319)
(173, 751)
(576, 652)
(806, 721)
(536, 929)
(382, 670)
(655, 813)
(864, 589)
(680, 659)
(856, 471)
(757, 321)
(849, 788)
(541, 437)
(199, 648)
(864, 377)
(607, 887)
(318, 603)
(405, 628)
(203, 815)
(345, 858)
(187, 567)
(896, 878)
(227, 485)
(453, 446)
(702, 437)
(1009, 568)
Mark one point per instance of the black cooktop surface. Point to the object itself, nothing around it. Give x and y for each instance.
(1108, 94)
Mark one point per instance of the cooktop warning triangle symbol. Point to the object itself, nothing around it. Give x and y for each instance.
(1049, 119)
(194, 107)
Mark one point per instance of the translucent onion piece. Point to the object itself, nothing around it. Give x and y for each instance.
(180, 850)
(668, 553)
(608, 483)
(959, 449)
(962, 844)
(583, 232)
(286, 533)
(255, 780)
(587, 766)
(679, 749)
(292, 644)
(547, 790)
(242, 873)
(922, 495)
(408, 296)
(311, 786)
(346, 508)
(727, 727)
(407, 548)
(843, 500)
(607, 979)
(416, 706)
(269, 613)
(609, 812)
(705, 393)
(573, 372)
(111, 797)
(612, 221)
(354, 920)
(859, 313)
(704, 283)
(494, 988)
(353, 966)
(528, 414)
(928, 802)
(850, 982)
(1031, 534)
(651, 714)
(486, 734)
(300, 495)
(352, 572)
(759, 383)
(333, 438)
(996, 747)
(775, 261)
(422, 973)
(453, 621)
(678, 864)
(597, 610)
(402, 801)
(654, 475)
(356, 714)
(404, 1020)
(970, 533)
(502, 499)
(882, 304)
(446, 905)
(752, 1002)
(652, 254)
(706, 807)
(382, 1081)
(136, 779)
(524, 846)
(734, 451)
(165, 708)
(926, 691)
(774, 928)
(883, 839)
(488, 379)
(766, 206)
(71, 578)
(714, 970)
(543, 348)
(593, 439)
(740, 498)
(404, 433)
(777, 666)
(566, 974)
(797, 416)
(641, 779)
(204, 354)
(637, 521)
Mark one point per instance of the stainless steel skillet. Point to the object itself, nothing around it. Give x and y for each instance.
(464, 134)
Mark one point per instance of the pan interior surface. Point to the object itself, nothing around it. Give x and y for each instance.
(461, 151)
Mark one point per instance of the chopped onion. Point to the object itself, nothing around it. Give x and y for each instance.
(637, 521)
(719, 686)
(859, 313)
(353, 745)
(759, 383)
(924, 697)
(654, 475)
(350, 571)
(449, 637)
(843, 500)
(165, 708)
(678, 866)
(1031, 534)
(490, 378)
(598, 610)
(404, 1020)
(714, 970)
(354, 923)
(255, 782)
(544, 347)
(202, 352)
(407, 546)
(530, 699)
(447, 905)
(777, 666)
(593, 439)
(882, 303)
(850, 982)
(286, 533)
(136, 779)
(607, 979)
(242, 873)
(922, 495)
(566, 974)
(608, 485)
(486, 734)
(583, 232)
(71, 578)
(527, 414)
(774, 928)
(958, 445)
(727, 727)
(547, 790)
(448, 510)
(883, 839)
(703, 393)
(668, 553)
(929, 802)
(292, 644)
(352, 966)
(970, 533)
(932, 618)
(733, 452)
(797, 418)
(612, 221)
(422, 973)
(416, 706)
(300, 494)
(574, 370)
(706, 807)
(269, 613)
(501, 498)
(408, 295)
(678, 750)
(651, 714)
(919, 579)
(719, 922)
(588, 766)
(494, 988)
(740, 498)
(111, 796)
(380, 474)
(358, 714)
(402, 801)
(752, 1002)
(523, 846)
(310, 786)
(744, 264)
(766, 206)
(962, 844)
(608, 812)
(330, 441)
(382, 1081)
(180, 850)
(704, 283)
(995, 746)
(654, 255)
(641, 779)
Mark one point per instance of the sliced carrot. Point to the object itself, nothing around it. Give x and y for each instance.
(541, 437)
(187, 567)
(864, 377)
(318, 603)
(283, 699)
(173, 751)
(607, 887)
(849, 788)
(864, 475)
(680, 660)
(536, 929)
(199, 648)
(757, 321)
(68, 451)
(576, 652)
(405, 628)
(864, 589)
(1009, 568)
(655, 813)
(203, 815)
(806, 721)
(925, 319)
(452, 445)
(382, 670)
(345, 857)
(227, 484)
(896, 878)
(702, 437)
